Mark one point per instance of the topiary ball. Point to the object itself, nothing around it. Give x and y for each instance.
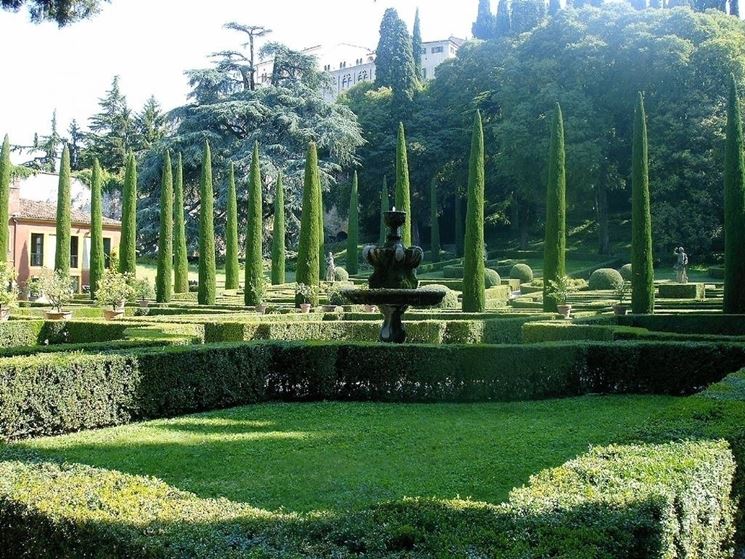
(340, 274)
(450, 301)
(523, 272)
(606, 278)
(491, 278)
(625, 272)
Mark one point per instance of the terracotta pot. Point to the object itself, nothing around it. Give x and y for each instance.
(261, 309)
(54, 315)
(4, 314)
(564, 310)
(143, 303)
(305, 308)
(620, 310)
(113, 314)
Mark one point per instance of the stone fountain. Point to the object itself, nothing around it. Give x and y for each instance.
(393, 286)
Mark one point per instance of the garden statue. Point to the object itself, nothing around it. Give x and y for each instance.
(681, 276)
(330, 268)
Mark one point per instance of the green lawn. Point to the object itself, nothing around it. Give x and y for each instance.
(334, 456)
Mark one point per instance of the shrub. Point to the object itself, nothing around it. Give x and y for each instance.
(682, 291)
(57, 288)
(340, 274)
(450, 301)
(114, 289)
(523, 272)
(491, 278)
(454, 271)
(606, 278)
(625, 272)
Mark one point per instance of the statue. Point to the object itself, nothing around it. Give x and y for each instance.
(681, 265)
(330, 268)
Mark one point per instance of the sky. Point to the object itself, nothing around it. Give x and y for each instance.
(149, 44)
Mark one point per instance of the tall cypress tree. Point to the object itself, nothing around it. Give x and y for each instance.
(474, 298)
(180, 259)
(416, 46)
(459, 227)
(321, 229)
(62, 254)
(434, 221)
(254, 231)
(642, 273)
(734, 208)
(394, 62)
(483, 27)
(307, 256)
(384, 207)
(4, 198)
(207, 292)
(164, 275)
(278, 235)
(232, 267)
(97, 259)
(128, 246)
(403, 193)
(554, 250)
(353, 234)
(504, 18)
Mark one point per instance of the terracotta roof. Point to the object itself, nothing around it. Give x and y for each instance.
(47, 211)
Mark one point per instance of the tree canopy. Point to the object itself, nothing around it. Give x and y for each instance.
(62, 12)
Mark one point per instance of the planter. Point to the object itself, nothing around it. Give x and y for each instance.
(54, 315)
(370, 308)
(564, 310)
(329, 308)
(143, 303)
(260, 309)
(113, 314)
(305, 308)
(4, 314)
(620, 310)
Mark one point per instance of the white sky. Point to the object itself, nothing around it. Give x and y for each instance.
(149, 43)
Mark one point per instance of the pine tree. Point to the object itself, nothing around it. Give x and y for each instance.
(164, 276)
(111, 134)
(416, 46)
(403, 193)
(97, 258)
(474, 298)
(394, 62)
(62, 253)
(5, 167)
(353, 234)
(254, 280)
(180, 257)
(278, 235)
(434, 221)
(734, 208)
(307, 257)
(554, 250)
(207, 292)
(504, 18)
(384, 207)
(484, 26)
(734, 8)
(642, 273)
(232, 267)
(128, 247)
(459, 227)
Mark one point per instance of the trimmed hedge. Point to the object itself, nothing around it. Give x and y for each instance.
(682, 291)
(491, 278)
(605, 278)
(688, 323)
(633, 501)
(522, 272)
(26, 333)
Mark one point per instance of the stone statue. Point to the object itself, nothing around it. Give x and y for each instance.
(681, 265)
(330, 268)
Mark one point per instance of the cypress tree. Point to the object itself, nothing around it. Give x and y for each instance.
(321, 229)
(434, 219)
(474, 299)
(483, 27)
(353, 229)
(4, 198)
(128, 248)
(232, 267)
(62, 253)
(278, 235)
(416, 46)
(459, 228)
(164, 275)
(554, 250)
(734, 208)
(206, 294)
(504, 19)
(403, 194)
(554, 7)
(384, 207)
(254, 231)
(642, 273)
(97, 259)
(307, 257)
(180, 260)
(394, 62)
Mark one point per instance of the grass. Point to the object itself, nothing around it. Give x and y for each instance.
(338, 456)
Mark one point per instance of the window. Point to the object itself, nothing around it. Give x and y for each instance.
(437, 50)
(424, 50)
(37, 249)
(74, 251)
(424, 73)
(107, 252)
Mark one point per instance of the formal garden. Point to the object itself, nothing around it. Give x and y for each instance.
(270, 391)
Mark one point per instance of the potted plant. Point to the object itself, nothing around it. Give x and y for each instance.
(559, 290)
(8, 292)
(619, 309)
(113, 290)
(33, 288)
(57, 288)
(258, 290)
(142, 291)
(335, 299)
(306, 294)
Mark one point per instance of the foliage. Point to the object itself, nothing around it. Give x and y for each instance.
(403, 190)
(256, 290)
(434, 222)
(128, 242)
(340, 274)
(734, 208)
(559, 289)
(353, 232)
(57, 288)
(110, 138)
(606, 278)
(8, 288)
(384, 207)
(306, 294)
(622, 291)
(5, 168)
(554, 257)
(523, 272)
(97, 256)
(254, 233)
(142, 289)
(491, 278)
(114, 289)
(473, 261)
(450, 301)
(207, 288)
(485, 25)
(307, 270)
(642, 272)
(232, 266)
(63, 224)
(62, 12)
(394, 61)
(180, 261)
(416, 46)
(625, 272)
(164, 277)
(278, 234)
(336, 297)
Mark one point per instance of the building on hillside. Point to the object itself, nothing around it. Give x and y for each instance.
(32, 241)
